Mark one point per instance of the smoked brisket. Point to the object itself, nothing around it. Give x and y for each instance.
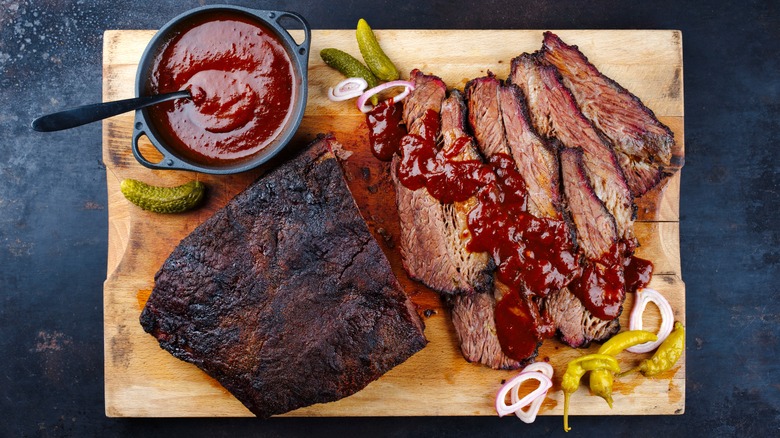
(429, 241)
(596, 235)
(555, 115)
(284, 296)
(536, 160)
(475, 267)
(643, 144)
(472, 313)
(485, 117)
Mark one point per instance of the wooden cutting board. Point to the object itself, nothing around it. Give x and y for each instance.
(142, 380)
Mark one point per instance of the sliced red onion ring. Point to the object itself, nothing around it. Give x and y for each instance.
(530, 415)
(513, 385)
(349, 88)
(644, 296)
(361, 103)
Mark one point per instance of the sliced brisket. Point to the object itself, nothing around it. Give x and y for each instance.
(473, 316)
(575, 325)
(283, 295)
(521, 329)
(484, 111)
(536, 160)
(472, 313)
(475, 267)
(555, 115)
(643, 144)
(597, 235)
(423, 242)
(596, 228)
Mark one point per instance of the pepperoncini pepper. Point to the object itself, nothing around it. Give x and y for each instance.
(601, 380)
(574, 372)
(667, 354)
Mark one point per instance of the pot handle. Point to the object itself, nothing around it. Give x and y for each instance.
(302, 49)
(168, 162)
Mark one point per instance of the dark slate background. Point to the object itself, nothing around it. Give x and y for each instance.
(53, 217)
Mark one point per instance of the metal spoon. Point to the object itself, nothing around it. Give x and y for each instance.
(92, 113)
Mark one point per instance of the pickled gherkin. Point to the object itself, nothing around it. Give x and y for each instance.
(163, 199)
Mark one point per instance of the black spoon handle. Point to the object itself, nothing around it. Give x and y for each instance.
(91, 113)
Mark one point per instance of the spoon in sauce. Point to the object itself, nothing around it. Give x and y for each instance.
(92, 113)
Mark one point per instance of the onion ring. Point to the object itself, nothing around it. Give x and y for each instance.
(347, 89)
(361, 103)
(644, 296)
(530, 415)
(512, 387)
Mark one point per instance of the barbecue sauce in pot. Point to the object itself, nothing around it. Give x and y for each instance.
(242, 85)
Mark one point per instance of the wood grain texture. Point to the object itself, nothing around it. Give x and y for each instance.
(142, 380)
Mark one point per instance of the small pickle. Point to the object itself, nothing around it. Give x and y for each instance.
(163, 199)
(667, 354)
(574, 372)
(601, 380)
(350, 67)
(375, 57)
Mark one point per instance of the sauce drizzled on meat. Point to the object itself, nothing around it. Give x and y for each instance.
(535, 256)
(516, 326)
(603, 283)
(384, 129)
(532, 253)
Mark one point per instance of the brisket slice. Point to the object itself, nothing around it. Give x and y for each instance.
(535, 159)
(475, 267)
(472, 313)
(555, 115)
(596, 228)
(428, 233)
(284, 296)
(485, 115)
(487, 122)
(473, 316)
(575, 325)
(538, 162)
(499, 118)
(643, 144)
(597, 233)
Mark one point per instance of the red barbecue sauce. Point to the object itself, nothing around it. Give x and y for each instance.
(638, 274)
(384, 129)
(242, 84)
(603, 283)
(516, 326)
(534, 255)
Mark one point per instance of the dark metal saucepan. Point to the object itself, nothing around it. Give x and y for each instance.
(299, 55)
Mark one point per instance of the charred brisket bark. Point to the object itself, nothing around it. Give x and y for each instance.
(283, 295)
(643, 144)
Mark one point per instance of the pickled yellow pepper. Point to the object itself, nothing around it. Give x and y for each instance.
(574, 372)
(601, 380)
